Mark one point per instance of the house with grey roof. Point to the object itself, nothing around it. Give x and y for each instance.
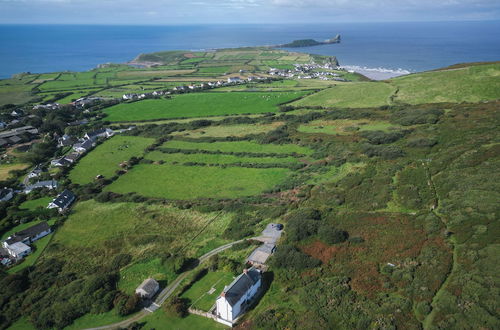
(237, 297)
(63, 201)
(84, 146)
(60, 162)
(148, 288)
(49, 184)
(6, 194)
(102, 132)
(18, 244)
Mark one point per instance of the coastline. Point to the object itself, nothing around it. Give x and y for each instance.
(376, 73)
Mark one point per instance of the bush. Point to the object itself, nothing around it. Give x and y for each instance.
(120, 261)
(289, 257)
(177, 307)
(381, 137)
(331, 235)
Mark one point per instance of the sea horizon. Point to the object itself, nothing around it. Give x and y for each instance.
(380, 48)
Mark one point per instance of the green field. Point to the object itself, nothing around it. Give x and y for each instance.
(187, 182)
(36, 203)
(344, 126)
(199, 105)
(240, 146)
(96, 232)
(106, 158)
(160, 320)
(5, 169)
(182, 158)
(201, 295)
(353, 95)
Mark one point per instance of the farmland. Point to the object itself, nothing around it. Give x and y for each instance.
(106, 158)
(355, 95)
(186, 182)
(199, 105)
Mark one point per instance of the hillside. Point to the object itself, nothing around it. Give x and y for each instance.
(388, 193)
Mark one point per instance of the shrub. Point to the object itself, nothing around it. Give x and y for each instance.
(331, 235)
(177, 307)
(381, 137)
(289, 257)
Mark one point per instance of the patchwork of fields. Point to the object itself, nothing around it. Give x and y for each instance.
(199, 105)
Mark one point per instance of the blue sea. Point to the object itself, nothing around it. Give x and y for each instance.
(393, 47)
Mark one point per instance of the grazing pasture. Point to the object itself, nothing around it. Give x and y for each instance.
(353, 95)
(199, 105)
(188, 182)
(5, 169)
(468, 84)
(105, 159)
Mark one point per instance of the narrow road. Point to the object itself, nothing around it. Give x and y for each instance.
(169, 289)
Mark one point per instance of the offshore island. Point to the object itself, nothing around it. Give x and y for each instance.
(310, 42)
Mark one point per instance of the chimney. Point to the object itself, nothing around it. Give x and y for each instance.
(245, 271)
(223, 294)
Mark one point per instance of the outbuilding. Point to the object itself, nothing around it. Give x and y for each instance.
(148, 288)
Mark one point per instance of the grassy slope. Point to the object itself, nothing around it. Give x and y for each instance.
(229, 130)
(6, 168)
(465, 84)
(200, 104)
(186, 182)
(105, 159)
(95, 233)
(355, 95)
(469, 84)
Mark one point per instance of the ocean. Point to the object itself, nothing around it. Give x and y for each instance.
(393, 48)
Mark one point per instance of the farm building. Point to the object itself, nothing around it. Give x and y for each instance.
(63, 201)
(236, 297)
(260, 255)
(147, 289)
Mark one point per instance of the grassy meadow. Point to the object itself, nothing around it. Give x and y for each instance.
(199, 105)
(188, 182)
(354, 95)
(105, 160)
(229, 130)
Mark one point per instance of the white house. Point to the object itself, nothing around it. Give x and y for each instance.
(84, 146)
(18, 250)
(103, 132)
(236, 297)
(148, 288)
(49, 184)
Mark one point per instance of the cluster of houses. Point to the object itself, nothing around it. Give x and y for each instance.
(188, 88)
(309, 71)
(19, 245)
(18, 135)
(81, 103)
(79, 146)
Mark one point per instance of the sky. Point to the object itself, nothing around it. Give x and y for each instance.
(174, 12)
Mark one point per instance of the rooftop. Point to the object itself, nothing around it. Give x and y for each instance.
(241, 285)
